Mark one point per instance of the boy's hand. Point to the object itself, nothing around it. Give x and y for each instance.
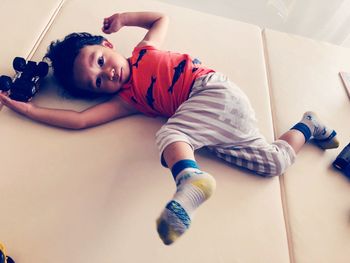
(112, 24)
(155, 23)
(18, 106)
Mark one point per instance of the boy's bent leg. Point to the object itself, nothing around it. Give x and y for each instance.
(193, 188)
(308, 127)
(259, 156)
(273, 159)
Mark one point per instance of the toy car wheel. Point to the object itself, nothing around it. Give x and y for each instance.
(5, 83)
(43, 69)
(19, 64)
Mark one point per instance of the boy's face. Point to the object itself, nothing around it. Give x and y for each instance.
(100, 69)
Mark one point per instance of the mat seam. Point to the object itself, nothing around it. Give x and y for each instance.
(281, 177)
(44, 31)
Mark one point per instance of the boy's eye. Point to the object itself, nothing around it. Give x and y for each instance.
(101, 61)
(98, 82)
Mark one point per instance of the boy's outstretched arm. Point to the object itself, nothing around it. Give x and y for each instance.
(101, 113)
(155, 23)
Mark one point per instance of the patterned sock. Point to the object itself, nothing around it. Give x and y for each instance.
(193, 188)
(312, 127)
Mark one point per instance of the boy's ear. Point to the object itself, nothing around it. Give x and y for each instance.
(108, 44)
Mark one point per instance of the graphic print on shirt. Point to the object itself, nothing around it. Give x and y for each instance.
(149, 95)
(141, 54)
(196, 63)
(134, 100)
(179, 69)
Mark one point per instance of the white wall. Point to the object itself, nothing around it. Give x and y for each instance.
(325, 20)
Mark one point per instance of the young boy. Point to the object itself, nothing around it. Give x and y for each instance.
(203, 109)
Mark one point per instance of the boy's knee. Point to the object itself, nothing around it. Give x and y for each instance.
(281, 162)
(283, 157)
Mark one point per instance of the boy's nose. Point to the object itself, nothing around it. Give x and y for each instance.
(110, 73)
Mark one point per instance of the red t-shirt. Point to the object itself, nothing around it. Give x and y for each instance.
(160, 80)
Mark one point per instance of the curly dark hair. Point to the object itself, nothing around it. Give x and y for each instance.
(62, 54)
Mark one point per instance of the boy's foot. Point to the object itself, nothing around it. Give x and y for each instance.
(193, 188)
(323, 136)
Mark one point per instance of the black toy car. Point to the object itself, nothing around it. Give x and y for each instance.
(26, 81)
(342, 162)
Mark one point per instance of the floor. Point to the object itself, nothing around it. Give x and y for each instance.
(323, 20)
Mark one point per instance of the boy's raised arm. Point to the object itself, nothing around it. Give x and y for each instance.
(69, 119)
(155, 23)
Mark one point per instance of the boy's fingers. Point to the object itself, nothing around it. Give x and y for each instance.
(105, 30)
(2, 102)
(4, 99)
(106, 27)
(106, 21)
